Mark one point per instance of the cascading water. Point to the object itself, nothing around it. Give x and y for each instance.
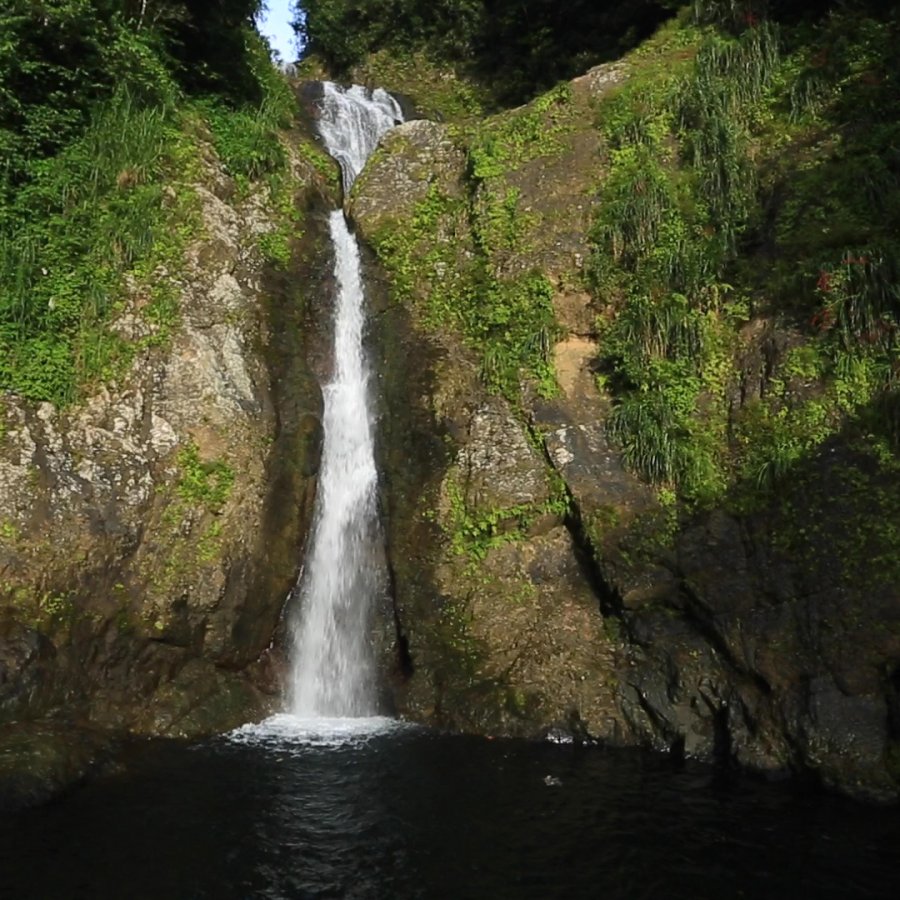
(352, 121)
(333, 672)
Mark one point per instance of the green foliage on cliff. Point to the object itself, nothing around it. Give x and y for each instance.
(507, 319)
(85, 217)
(515, 138)
(474, 533)
(59, 58)
(845, 499)
(753, 190)
(101, 103)
(204, 483)
(468, 260)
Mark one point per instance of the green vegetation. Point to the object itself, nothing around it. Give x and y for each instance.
(511, 140)
(276, 245)
(474, 533)
(751, 178)
(321, 162)
(508, 321)
(245, 136)
(245, 141)
(459, 258)
(89, 215)
(100, 106)
(855, 490)
(190, 528)
(513, 49)
(203, 483)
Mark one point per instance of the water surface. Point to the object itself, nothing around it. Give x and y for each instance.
(389, 812)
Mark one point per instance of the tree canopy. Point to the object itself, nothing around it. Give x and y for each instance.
(59, 57)
(516, 47)
(100, 102)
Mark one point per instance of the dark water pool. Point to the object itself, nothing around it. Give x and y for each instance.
(406, 813)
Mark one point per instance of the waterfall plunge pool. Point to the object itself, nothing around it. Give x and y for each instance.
(376, 809)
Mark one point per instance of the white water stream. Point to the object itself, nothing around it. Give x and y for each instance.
(333, 667)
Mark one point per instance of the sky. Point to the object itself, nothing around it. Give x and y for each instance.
(274, 23)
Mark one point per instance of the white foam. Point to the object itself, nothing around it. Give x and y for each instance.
(284, 730)
(557, 736)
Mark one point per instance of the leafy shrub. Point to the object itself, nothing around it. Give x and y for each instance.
(87, 215)
(244, 140)
(205, 483)
(92, 125)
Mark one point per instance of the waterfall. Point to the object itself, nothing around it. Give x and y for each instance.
(333, 668)
(352, 121)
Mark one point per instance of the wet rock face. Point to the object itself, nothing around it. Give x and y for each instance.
(539, 583)
(26, 663)
(150, 535)
(38, 760)
(411, 160)
(753, 661)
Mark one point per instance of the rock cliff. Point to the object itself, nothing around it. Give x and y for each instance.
(541, 585)
(150, 535)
